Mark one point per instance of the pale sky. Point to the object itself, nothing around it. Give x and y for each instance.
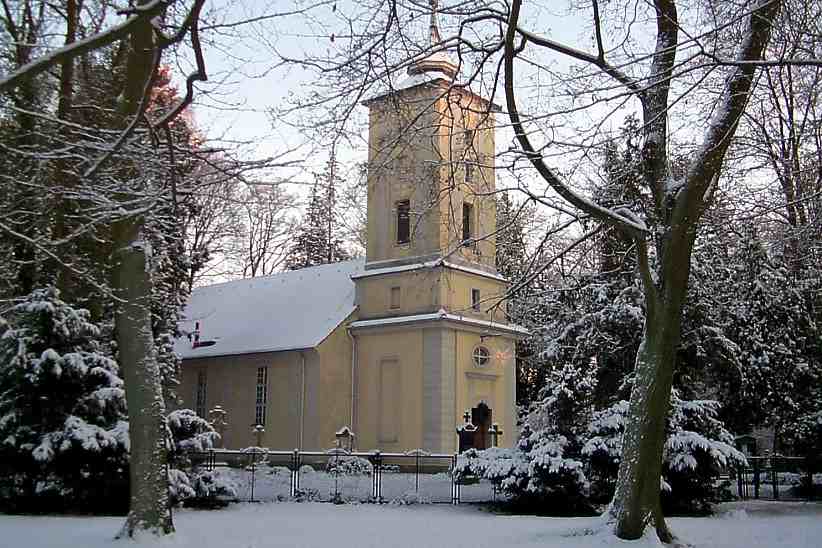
(245, 83)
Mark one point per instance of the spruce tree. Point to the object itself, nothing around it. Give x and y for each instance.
(64, 438)
(317, 241)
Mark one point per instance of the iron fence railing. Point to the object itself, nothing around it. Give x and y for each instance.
(339, 475)
(779, 478)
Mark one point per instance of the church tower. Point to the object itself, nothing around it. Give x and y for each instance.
(431, 337)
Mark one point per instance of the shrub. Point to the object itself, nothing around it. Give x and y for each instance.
(188, 483)
(349, 466)
(552, 472)
(698, 448)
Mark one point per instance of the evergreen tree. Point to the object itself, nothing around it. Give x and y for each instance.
(317, 241)
(63, 422)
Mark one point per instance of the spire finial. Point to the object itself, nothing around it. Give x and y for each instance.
(437, 61)
(434, 26)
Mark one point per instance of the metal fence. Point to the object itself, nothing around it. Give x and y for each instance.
(338, 475)
(780, 478)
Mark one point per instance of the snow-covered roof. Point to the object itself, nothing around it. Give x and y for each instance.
(286, 311)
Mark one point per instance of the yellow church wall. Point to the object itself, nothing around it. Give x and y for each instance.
(231, 383)
(426, 290)
(455, 295)
(419, 293)
(415, 382)
(334, 387)
(389, 379)
(403, 158)
(467, 139)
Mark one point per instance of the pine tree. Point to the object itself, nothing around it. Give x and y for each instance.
(63, 421)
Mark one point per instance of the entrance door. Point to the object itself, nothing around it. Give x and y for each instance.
(481, 418)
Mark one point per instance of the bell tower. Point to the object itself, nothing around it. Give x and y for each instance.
(431, 335)
(431, 168)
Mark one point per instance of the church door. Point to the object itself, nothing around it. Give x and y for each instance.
(481, 418)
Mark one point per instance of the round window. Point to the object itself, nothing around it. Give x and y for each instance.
(481, 356)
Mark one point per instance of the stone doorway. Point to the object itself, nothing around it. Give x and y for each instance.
(481, 418)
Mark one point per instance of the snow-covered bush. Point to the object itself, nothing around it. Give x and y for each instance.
(602, 451)
(188, 483)
(567, 460)
(805, 439)
(544, 470)
(63, 425)
(349, 466)
(697, 449)
(190, 434)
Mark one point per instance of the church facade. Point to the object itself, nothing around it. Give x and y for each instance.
(397, 346)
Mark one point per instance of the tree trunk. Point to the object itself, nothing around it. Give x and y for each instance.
(149, 505)
(637, 501)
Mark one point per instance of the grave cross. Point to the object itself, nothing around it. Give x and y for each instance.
(496, 433)
(467, 425)
(218, 420)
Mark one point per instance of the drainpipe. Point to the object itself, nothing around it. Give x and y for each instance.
(353, 380)
(302, 401)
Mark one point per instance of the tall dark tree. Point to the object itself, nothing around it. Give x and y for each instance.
(318, 239)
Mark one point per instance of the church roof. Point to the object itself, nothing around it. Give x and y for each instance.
(287, 311)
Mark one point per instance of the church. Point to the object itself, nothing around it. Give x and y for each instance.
(396, 346)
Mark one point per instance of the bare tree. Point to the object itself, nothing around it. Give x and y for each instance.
(263, 246)
(213, 223)
(781, 137)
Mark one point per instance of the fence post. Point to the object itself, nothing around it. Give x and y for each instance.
(253, 471)
(774, 478)
(809, 461)
(756, 478)
(417, 473)
(376, 477)
(740, 471)
(455, 486)
(295, 472)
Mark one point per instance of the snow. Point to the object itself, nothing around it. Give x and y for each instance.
(425, 265)
(287, 311)
(442, 315)
(306, 525)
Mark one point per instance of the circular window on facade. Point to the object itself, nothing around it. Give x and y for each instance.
(481, 356)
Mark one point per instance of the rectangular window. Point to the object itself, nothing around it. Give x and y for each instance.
(469, 172)
(475, 299)
(395, 297)
(468, 137)
(261, 396)
(467, 223)
(200, 398)
(403, 222)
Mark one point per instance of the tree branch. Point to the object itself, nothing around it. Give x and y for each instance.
(80, 47)
(708, 160)
(631, 228)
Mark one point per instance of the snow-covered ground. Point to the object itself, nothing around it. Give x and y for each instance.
(738, 525)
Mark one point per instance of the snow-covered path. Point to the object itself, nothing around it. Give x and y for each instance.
(738, 525)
